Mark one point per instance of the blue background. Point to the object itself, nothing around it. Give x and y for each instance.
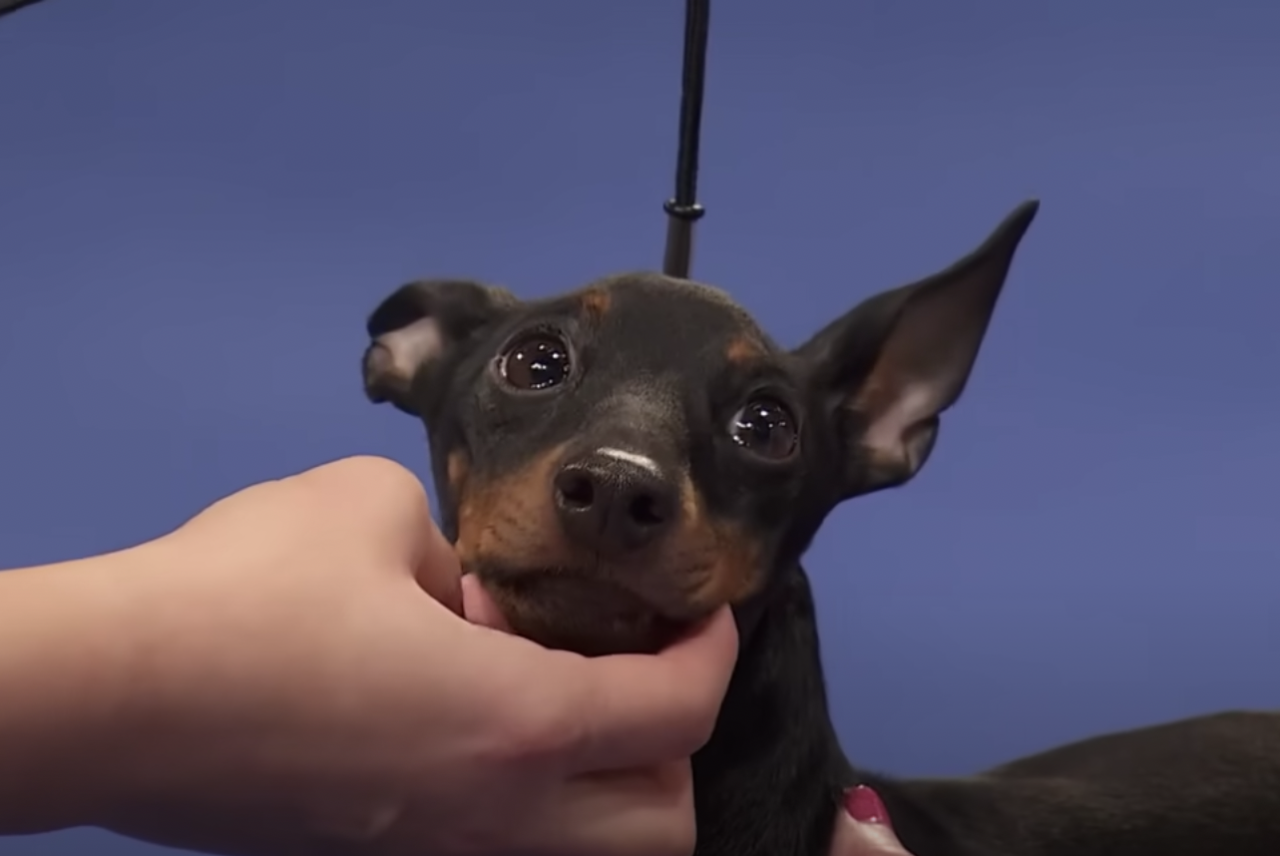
(199, 203)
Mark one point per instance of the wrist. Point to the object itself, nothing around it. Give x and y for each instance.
(69, 689)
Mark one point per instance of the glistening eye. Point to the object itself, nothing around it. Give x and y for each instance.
(535, 361)
(766, 427)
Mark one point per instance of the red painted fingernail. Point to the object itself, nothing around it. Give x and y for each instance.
(864, 806)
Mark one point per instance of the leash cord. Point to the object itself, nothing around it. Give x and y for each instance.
(8, 6)
(683, 209)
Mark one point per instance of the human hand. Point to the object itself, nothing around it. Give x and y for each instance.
(293, 678)
(863, 828)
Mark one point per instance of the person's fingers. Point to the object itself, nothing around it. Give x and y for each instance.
(646, 812)
(385, 499)
(864, 839)
(637, 710)
(479, 607)
(626, 711)
(870, 834)
(370, 491)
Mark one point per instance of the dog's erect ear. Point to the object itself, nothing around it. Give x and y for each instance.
(887, 369)
(419, 325)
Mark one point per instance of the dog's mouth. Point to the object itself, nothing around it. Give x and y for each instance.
(556, 588)
(584, 610)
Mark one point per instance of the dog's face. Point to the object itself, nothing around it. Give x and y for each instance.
(619, 461)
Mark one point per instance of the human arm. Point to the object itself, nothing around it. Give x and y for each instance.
(283, 672)
(65, 656)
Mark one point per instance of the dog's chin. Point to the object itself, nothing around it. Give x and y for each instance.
(578, 612)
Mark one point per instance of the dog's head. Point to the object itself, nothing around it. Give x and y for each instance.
(619, 461)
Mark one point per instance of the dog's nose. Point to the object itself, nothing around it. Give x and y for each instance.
(614, 502)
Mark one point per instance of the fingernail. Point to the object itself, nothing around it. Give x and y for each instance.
(864, 806)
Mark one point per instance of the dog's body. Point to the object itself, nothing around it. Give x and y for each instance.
(619, 462)
(1197, 787)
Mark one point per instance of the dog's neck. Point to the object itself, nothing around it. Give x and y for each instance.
(774, 742)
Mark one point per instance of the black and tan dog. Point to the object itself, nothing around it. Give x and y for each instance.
(617, 462)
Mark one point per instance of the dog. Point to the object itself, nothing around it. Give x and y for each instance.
(619, 461)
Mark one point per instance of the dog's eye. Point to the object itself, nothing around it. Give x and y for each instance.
(536, 361)
(767, 428)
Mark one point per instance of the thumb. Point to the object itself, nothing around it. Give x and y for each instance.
(863, 829)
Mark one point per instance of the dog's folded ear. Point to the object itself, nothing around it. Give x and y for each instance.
(887, 369)
(419, 327)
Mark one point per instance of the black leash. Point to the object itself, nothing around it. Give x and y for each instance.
(683, 209)
(7, 6)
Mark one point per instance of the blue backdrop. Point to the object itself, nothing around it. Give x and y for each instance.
(199, 202)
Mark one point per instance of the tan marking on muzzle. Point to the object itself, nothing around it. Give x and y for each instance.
(734, 572)
(512, 516)
(627, 604)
